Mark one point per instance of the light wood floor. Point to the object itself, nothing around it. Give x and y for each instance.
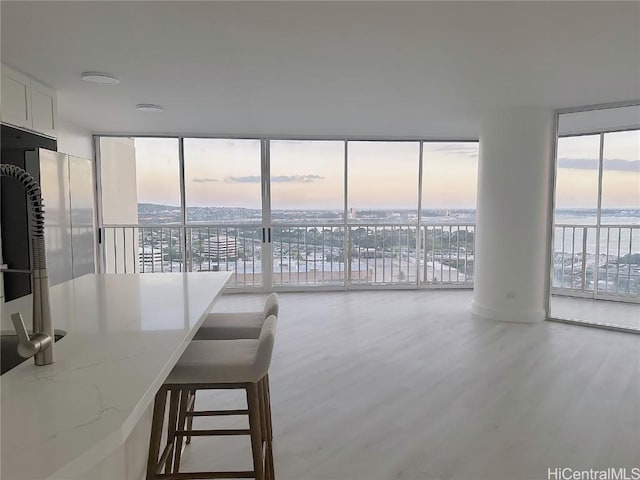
(409, 385)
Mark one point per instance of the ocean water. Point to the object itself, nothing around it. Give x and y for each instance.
(590, 217)
(619, 232)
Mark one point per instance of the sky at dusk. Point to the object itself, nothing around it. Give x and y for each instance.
(310, 174)
(577, 174)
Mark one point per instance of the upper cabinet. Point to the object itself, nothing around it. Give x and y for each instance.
(16, 98)
(43, 109)
(27, 104)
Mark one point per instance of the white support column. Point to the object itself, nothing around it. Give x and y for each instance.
(512, 224)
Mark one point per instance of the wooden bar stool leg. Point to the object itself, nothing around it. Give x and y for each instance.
(269, 452)
(171, 432)
(182, 415)
(253, 402)
(191, 408)
(159, 406)
(268, 405)
(263, 427)
(261, 398)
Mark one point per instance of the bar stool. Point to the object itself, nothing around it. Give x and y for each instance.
(235, 325)
(215, 365)
(231, 326)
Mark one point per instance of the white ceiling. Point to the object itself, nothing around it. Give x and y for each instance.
(322, 68)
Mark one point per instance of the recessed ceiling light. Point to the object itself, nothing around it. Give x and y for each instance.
(149, 107)
(101, 78)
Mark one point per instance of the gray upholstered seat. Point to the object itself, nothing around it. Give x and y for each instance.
(237, 325)
(226, 361)
(214, 365)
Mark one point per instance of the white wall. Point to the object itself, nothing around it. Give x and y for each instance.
(74, 140)
(119, 193)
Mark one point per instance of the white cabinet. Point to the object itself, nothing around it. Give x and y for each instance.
(67, 193)
(43, 109)
(82, 207)
(16, 98)
(54, 184)
(27, 104)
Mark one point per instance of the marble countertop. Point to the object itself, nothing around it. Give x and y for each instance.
(124, 334)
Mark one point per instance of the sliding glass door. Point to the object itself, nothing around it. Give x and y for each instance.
(448, 216)
(620, 217)
(382, 212)
(306, 185)
(576, 214)
(223, 207)
(596, 234)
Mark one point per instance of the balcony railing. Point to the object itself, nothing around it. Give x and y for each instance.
(308, 255)
(174, 248)
(608, 267)
(449, 254)
(383, 254)
(330, 255)
(302, 255)
(236, 248)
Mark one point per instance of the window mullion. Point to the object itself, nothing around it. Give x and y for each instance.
(183, 206)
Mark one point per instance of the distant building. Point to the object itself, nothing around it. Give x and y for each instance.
(220, 247)
(149, 256)
(366, 253)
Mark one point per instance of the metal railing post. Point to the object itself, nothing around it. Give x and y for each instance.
(583, 274)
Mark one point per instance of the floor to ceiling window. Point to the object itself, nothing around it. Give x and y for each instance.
(284, 213)
(576, 210)
(307, 212)
(223, 207)
(597, 228)
(139, 183)
(382, 212)
(449, 187)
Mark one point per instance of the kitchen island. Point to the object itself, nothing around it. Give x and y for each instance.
(124, 335)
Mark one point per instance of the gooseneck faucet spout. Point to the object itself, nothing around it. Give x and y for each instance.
(41, 344)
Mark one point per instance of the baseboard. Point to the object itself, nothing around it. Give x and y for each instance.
(514, 315)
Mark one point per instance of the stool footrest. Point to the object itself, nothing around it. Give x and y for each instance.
(216, 413)
(201, 475)
(201, 433)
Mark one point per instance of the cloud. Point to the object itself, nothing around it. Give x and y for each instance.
(247, 179)
(296, 178)
(467, 149)
(276, 179)
(204, 180)
(622, 165)
(610, 164)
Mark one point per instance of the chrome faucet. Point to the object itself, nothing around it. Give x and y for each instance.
(41, 343)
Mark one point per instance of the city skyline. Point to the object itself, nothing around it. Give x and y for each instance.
(149, 213)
